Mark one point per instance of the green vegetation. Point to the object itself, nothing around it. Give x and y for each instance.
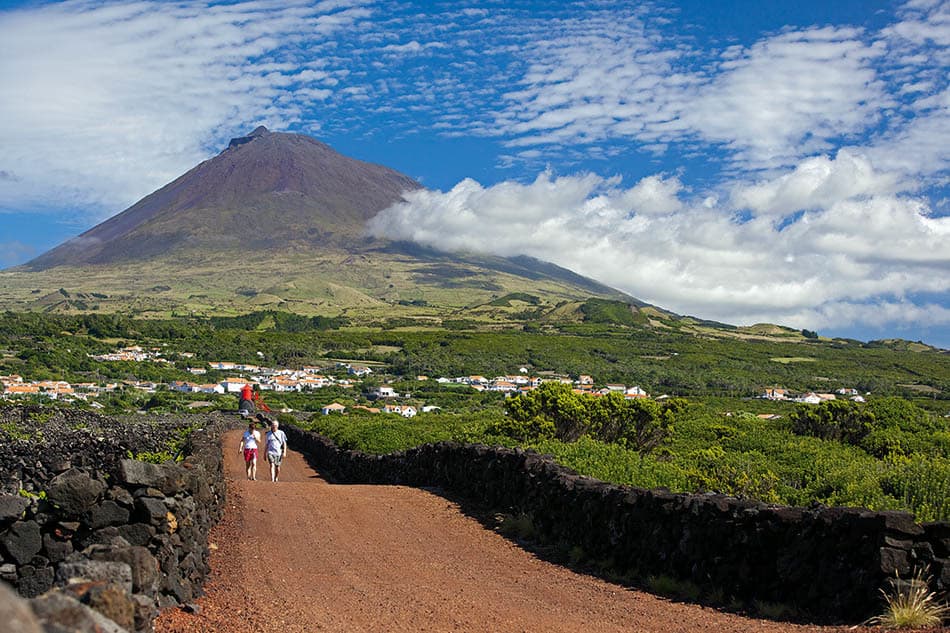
(607, 311)
(173, 451)
(676, 363)
(706, 449)
(555, 410)
(891, 453)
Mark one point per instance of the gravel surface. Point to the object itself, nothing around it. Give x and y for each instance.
(305, 555)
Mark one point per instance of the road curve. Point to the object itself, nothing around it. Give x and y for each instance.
(306, 555)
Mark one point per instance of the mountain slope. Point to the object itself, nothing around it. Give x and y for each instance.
(275, 220)
(265, 190)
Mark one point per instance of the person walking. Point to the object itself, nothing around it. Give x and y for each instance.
(249, 443)
(276, 449)
(246, 399)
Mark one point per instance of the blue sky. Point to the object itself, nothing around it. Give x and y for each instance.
(743, 161)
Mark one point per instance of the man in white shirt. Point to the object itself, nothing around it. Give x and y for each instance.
(276, 449)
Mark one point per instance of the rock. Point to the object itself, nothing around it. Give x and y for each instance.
(146, 610)
(121, 496)
(894, 561)
(12, 507)
(81, 571)
(169, 478)
(146, 575)
(107, 513)
(180, 589)
(16, 614)
(23, 541)
(74, 491)
(56, 550)
(58, 612)
(109, 599)
(8, 572)
(901, 523)
(137, 533)
(34, 581)
(152, 510)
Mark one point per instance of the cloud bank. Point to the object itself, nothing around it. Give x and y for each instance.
(819, 246)
(103, 103)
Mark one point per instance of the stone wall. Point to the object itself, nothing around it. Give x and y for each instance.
(828, 564)
(125, 537)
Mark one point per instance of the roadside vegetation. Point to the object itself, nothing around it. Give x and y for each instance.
(702, 430)
(695, 446)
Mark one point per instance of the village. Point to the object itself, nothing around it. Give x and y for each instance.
(340, 374)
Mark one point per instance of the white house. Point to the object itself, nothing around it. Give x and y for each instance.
(333, 408)
(635, 392)
(384, 391)
(406, 411)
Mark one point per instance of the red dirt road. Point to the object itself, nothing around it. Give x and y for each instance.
(305, 555)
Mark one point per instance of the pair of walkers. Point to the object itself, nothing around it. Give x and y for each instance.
(275, 444)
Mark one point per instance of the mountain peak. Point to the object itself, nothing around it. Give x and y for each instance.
(241, 140)
(268, 190)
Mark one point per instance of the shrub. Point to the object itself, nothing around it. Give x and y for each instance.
(911, 605)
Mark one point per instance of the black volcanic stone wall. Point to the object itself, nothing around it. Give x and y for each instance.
(122, 536)
(827, 563)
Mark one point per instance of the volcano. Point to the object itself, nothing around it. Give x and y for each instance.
(266, 191)
(277, 221)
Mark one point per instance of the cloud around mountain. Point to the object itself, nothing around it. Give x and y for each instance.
(815, 247)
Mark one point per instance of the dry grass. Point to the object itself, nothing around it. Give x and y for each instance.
(912, 605)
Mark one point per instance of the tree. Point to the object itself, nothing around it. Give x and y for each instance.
(556, 405)
(638, 424)
(841, 420)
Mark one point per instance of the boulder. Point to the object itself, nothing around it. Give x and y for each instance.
(108, 513)
(12, 507)
(137, 533)
(109, 599)
(56, 550)
(22, 541)
(153, 511)
(34, 581)
(57, 611)
(74, 491)
(169, 478)
(81, 571)
(146, 575)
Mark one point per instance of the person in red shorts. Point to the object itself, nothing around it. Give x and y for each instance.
(249, 443)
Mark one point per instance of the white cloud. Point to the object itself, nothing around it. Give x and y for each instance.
(692, 258)
(104, 103)
(410, 48)
(815, 183)
(612, 78)
(788, 96)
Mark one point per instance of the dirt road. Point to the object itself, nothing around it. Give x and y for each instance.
(305, 555)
